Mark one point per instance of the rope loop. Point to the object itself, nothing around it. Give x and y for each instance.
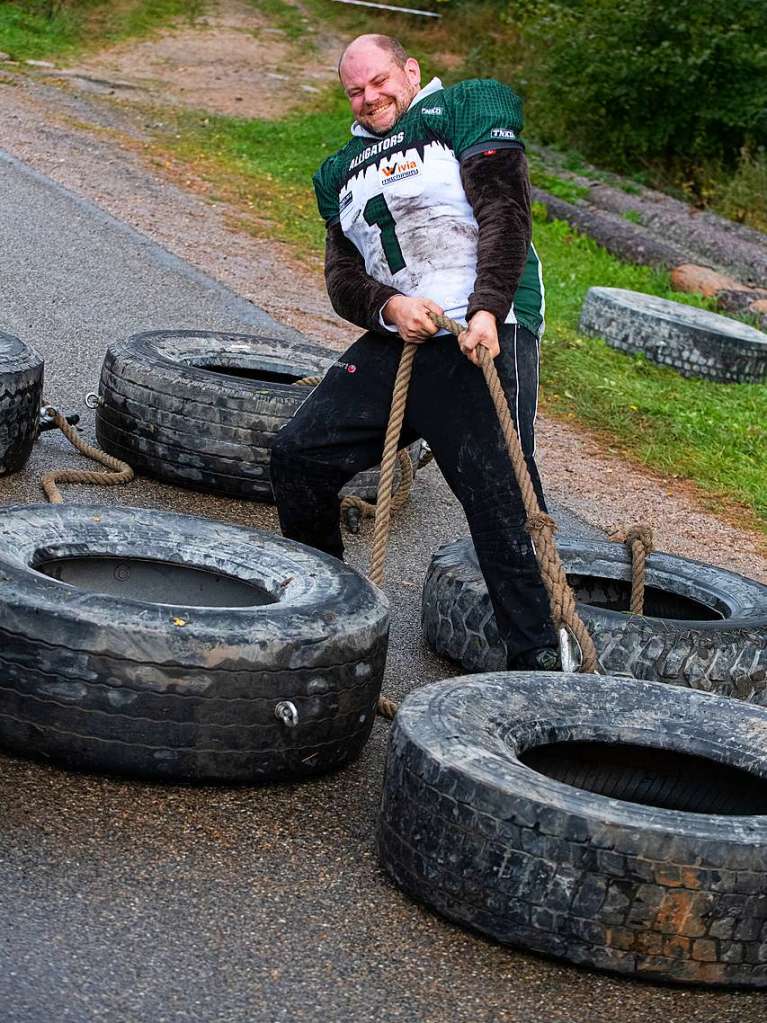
(639, 540)
(120, 472)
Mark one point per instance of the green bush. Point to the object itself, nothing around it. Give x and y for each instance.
(646, 82)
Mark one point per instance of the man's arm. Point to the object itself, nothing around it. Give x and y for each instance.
(354, 295)
(498, 190)
(361, 299)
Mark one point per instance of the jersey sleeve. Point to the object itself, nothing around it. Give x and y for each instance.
(326, 192)
(482, 114)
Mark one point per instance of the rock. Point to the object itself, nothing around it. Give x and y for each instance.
(702, 279)
(39, 63)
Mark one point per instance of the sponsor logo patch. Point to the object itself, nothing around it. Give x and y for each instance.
(432, 110)
(502, 133)
(345, 203)
(398, 171)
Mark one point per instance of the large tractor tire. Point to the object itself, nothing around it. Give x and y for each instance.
(201, 409)
(694, 341)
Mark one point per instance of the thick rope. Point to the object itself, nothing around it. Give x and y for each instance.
(401, 494)
(540, 526)
(639, 540)
(391, 441)
(120, 472)
(400, 497)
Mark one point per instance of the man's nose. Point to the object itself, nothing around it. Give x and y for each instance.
(371, 94)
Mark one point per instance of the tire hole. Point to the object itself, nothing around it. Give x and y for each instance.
(155, 581)
(615, 595)
(251, 373)
(651, 777)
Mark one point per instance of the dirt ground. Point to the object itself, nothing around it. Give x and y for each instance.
(232, 61)
(76, 125)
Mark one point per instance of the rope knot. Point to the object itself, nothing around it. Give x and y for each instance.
(539, 522)
(640, 532)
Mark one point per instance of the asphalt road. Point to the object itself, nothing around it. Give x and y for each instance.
(126, 901)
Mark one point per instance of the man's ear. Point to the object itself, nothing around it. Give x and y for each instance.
(413, 71)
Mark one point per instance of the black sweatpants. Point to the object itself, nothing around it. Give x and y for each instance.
(339, 431)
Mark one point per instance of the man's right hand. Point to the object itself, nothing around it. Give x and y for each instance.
(411, 317)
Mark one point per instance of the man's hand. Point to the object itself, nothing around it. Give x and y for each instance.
(411, 317)
(482, 330)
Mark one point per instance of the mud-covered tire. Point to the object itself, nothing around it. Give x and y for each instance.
(98, 680)
(21, 392)
(170, 415)
(705, 628)
(694, 341)
(468, 827)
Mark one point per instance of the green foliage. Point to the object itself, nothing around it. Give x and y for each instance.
(742, 196)
(31, 29)
(647, 82)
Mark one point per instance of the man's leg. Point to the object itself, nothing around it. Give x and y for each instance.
(451, 408)
(336, 433)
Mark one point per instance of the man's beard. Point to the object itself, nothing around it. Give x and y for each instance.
(400, 106)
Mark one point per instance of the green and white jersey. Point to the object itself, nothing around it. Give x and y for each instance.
(399, 197)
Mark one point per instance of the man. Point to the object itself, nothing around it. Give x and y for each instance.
(428, 208)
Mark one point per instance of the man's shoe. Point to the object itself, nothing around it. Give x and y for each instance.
(542, 658)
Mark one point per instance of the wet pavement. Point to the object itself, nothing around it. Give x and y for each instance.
(127, 901)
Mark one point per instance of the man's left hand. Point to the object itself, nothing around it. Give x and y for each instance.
(482, 330)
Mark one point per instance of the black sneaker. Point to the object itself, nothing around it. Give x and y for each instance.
(542, 658)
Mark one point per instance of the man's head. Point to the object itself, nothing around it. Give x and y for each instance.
(380, 80)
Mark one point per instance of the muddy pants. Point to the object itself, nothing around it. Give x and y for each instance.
(339, 431)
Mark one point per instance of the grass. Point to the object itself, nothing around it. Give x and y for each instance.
(559, 187)
(269, 163)
(712, 434)
(35, 29)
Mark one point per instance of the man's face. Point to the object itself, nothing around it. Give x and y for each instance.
(379, 90)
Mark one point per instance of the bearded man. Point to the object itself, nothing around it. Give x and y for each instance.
(427, 209)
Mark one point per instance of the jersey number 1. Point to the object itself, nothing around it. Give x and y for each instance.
(378, 214)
